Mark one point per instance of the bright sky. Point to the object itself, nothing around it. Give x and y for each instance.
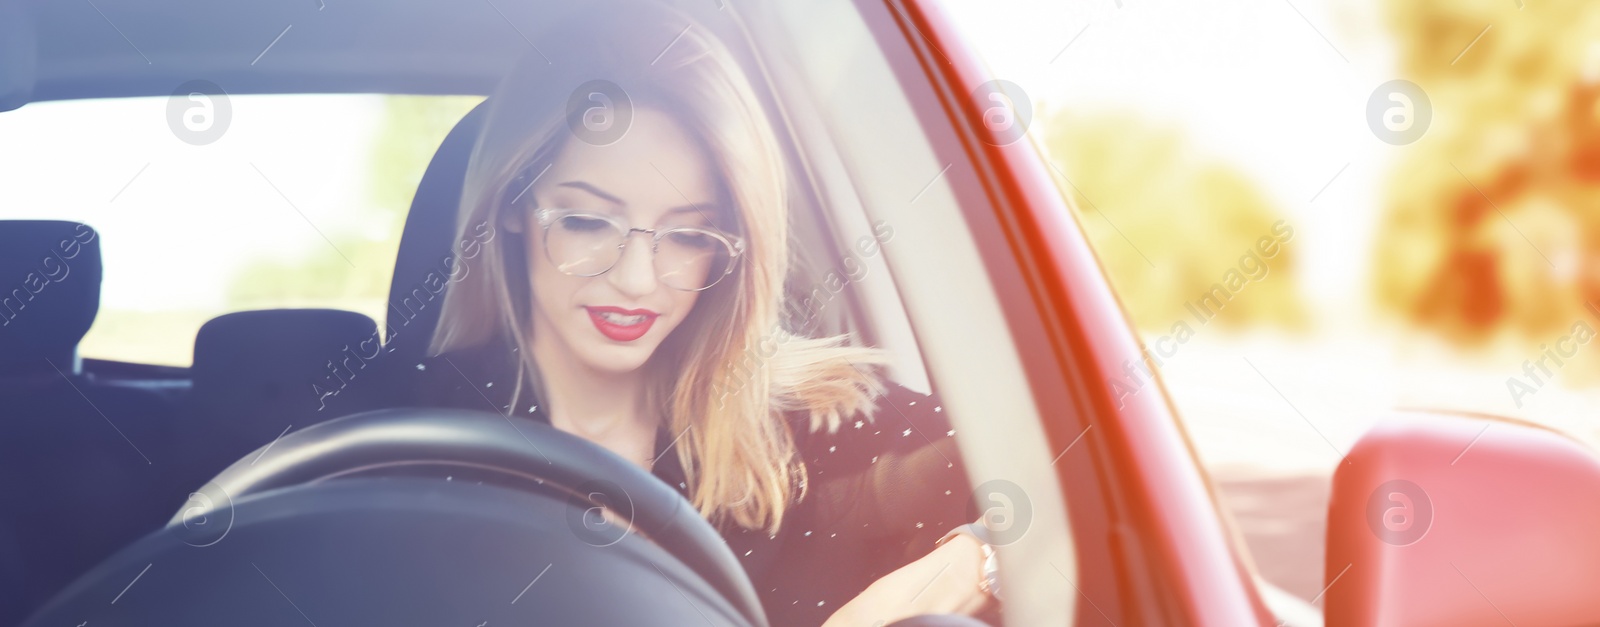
(211, 208)
(1278, 89)
(1254, 84)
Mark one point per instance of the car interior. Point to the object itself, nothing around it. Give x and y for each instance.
(105, 514)
(253, 367)
(250, 382)
(102, 491)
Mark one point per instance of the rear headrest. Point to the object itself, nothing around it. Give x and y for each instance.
(281, 360)
(49, 293)
(428, 239)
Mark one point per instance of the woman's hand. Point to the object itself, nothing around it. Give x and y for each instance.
(944, 581)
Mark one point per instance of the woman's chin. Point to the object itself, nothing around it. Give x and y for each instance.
(618, 358)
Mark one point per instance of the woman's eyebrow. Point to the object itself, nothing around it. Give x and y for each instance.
(704, 211)
(580, 185)
(597, 192)
(700, 209)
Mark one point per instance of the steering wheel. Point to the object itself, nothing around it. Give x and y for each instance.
(507, 451)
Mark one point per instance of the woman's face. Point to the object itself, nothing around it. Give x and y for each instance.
(655, 176)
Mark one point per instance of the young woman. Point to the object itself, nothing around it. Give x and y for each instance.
(632, 295)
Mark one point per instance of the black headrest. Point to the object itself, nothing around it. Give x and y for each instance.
(283, 359)
(428, 240)
(49, 293)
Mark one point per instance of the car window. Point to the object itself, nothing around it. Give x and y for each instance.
(1390, 221)
(879, 163)
(224, 203)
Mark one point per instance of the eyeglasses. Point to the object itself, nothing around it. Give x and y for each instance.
(688, 258)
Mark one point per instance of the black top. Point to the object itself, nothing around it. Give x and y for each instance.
(881, 491)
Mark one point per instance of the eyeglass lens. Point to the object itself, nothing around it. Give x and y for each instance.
(686, 258)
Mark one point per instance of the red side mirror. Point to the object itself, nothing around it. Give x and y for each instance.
(1464, 520)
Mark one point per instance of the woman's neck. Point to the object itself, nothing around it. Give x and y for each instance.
(606, 408)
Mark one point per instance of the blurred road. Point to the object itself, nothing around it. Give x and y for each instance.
(1282, 519)
(1271, 417)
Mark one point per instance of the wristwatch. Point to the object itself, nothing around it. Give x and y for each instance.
(990, 584)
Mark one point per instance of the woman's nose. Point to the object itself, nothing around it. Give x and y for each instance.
(635, 272)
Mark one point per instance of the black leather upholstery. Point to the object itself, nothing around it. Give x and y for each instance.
(83, 466)
(259, 373)
(427, 240)
(49, 294)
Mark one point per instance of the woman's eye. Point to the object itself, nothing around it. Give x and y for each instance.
(692, 239)
(583, 224)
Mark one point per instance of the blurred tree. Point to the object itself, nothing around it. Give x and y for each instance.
(411, 131)
(413, 128)
(1491, 225)
(1169, 225)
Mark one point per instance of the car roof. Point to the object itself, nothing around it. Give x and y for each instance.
(70, 49)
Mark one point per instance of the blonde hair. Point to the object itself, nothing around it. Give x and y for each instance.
(737, 369)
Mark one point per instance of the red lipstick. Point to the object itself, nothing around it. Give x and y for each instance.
(613, 322)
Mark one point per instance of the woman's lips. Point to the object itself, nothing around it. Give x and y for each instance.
(621, 325)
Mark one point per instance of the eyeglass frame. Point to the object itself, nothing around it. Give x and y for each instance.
(547, 218)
